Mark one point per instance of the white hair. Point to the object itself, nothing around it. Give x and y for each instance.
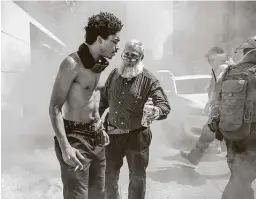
(136, 45)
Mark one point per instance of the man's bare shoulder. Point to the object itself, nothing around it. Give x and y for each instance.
(70, 64)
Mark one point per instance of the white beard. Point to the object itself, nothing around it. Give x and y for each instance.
(130, 72)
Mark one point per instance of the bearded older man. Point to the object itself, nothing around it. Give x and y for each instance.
(127, 93)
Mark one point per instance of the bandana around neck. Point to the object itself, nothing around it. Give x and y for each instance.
(88, 60)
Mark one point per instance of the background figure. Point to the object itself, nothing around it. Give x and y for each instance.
(239, 132)
(79, 138)
(126, 93)
(218, 61)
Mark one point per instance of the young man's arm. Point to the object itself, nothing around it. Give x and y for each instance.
(65, 77)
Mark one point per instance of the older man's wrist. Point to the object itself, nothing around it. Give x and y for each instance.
(156, 112)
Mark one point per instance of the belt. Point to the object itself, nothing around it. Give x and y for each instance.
(114, 130)
(81, 126)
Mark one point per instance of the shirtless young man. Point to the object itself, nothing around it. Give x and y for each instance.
(79, 140)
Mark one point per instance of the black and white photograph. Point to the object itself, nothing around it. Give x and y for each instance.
(128, 99)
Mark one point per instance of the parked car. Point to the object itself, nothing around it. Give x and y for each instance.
(192, 88)
(188, 97)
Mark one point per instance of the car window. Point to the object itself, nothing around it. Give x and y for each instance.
(192, 86)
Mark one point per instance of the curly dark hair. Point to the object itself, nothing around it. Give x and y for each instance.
(102, 24)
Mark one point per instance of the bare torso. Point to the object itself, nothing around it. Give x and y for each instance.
(81, 102)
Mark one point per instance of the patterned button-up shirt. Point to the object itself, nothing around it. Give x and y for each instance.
(126, 98)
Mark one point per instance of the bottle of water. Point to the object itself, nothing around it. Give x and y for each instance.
(145, 120)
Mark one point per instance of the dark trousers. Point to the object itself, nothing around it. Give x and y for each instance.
(86, 184)
(135, 147)
(243, 170)
(203, 143)
(205, 139)
(90, 182)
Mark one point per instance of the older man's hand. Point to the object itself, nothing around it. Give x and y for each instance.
(151, 112)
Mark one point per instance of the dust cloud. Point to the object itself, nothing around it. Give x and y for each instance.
(176, 36)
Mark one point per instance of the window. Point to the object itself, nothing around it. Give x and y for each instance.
(192, 86)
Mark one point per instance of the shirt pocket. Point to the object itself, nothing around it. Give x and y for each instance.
(232, 105)
(135, 103)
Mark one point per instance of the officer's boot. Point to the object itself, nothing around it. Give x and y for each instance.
(194, 156)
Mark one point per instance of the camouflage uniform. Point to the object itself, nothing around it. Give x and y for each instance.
(235, 107)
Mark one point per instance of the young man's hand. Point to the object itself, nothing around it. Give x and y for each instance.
(105, 138)
(72, 157)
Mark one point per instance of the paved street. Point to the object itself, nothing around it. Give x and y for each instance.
(36, 175)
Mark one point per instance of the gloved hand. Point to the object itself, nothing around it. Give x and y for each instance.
(213, 123)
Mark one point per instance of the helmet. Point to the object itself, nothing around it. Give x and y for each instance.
(249, 44)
